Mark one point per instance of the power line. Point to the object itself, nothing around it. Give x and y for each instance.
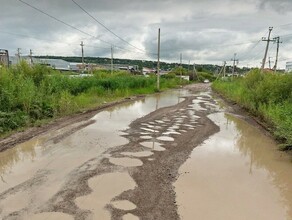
(249, 51)
(106, 26)
(71, 44)
(283, 25)
(212, 46)
(62, 22)
(56, 19)
(71, 26)
(124, 49)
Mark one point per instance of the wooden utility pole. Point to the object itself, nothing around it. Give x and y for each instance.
(82, 51)
(267, 47)
(234, 60)
(224, 68)
(158, 62)
(18, 54)
(181, 68)
(30, 56)
(270, 62)
(112, 60)
(194, 71)
(277, 40)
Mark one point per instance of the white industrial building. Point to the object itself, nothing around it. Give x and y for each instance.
(288, 66)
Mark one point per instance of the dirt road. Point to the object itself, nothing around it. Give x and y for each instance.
(125, 162)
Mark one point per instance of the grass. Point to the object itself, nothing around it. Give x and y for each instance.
(31, 95)
(267, 96)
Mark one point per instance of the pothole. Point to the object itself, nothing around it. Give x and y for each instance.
(126, 162)
(150, 130)
(153, 145)
(124, 205)
(145, 137)
(138, 154)
(165, 138)
(130, 216)
(104, 188)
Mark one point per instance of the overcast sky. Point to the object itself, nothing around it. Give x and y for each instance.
(204, 31)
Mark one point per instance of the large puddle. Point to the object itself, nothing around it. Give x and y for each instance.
(105, 187)
(237, 174)
(42, 168)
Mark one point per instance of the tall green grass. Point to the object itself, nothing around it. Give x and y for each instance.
(30, 94)
(266, 95)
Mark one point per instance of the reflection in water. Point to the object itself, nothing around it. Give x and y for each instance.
(237, 174)
(105, 187)
(10, 157)
(263, 154)
(21, 163)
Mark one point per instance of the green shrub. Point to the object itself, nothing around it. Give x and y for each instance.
(12, 120)
(266, 95)
(203, 75)
(32, 93)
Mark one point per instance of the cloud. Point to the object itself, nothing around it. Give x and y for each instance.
(278, 5)
(209, 31)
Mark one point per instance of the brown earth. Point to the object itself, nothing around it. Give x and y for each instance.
(154, 195)
(29, 133)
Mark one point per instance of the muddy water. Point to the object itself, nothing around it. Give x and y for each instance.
(105, 187)
(237, 174)
(41, 168)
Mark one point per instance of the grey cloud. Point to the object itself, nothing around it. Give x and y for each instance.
(198, 29)
(277, 5)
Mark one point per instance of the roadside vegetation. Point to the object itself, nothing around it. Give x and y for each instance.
(198, 76)
(267, 96)
(31, 95)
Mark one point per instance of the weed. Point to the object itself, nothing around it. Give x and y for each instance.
(268, 96)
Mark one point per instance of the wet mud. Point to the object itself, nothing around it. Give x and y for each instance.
(122, 163)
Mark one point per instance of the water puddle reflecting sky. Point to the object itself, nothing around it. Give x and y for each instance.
(237, 174)
(22, 162)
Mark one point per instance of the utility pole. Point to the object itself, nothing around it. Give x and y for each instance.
(277, 40)
(181, 67)
(270, 62)
(194, 71)
(224, 68)
(234, 60)
(158, 62)
(112, 60)
(267, 47)
(30, 56)
(18, 54)
(82, 51)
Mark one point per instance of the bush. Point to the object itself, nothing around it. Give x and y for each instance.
(31, 93)
(12, 120)
(203, 75)
(268, 96)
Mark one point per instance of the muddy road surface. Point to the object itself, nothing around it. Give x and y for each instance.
(175, 155)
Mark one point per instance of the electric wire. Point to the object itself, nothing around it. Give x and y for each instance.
(109, 30)
(71, 26)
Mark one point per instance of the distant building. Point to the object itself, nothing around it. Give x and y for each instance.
(57, 64)
(4, 57)
(148, 70)
(289, 67)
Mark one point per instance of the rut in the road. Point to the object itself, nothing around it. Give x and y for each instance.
(158, 144)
